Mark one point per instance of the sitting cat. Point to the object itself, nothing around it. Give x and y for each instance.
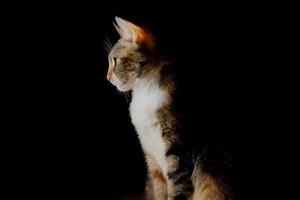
(174, 174)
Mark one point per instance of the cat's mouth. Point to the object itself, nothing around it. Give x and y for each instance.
(121, 87)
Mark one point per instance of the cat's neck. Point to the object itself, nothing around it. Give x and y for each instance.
(149, 94)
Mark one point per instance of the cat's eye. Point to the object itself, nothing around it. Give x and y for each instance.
(115, 61)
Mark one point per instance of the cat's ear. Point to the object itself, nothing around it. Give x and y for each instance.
(134, 33)
(117, 29)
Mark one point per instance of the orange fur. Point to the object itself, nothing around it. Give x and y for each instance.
(140, 35)
(158, 182)
(207, 188)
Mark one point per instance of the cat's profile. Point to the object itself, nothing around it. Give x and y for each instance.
(173, 173)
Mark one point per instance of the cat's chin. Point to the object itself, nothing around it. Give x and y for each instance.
(123, 88)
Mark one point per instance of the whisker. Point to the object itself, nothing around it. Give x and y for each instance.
(107, 39)
(107, 50)
(126, 97)
(107, 45)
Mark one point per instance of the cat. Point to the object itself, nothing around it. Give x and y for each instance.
(173, 174)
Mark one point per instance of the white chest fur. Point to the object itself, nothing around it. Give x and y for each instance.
(147, 98)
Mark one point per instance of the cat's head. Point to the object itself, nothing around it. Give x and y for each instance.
(130, 56)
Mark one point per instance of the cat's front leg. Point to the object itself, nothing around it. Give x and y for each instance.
(157, 184)
(179, 181)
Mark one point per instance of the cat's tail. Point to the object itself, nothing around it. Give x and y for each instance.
(207, 187)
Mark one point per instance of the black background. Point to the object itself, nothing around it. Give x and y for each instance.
(77, 139)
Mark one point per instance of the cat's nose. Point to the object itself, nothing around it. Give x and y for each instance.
(109, 76)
